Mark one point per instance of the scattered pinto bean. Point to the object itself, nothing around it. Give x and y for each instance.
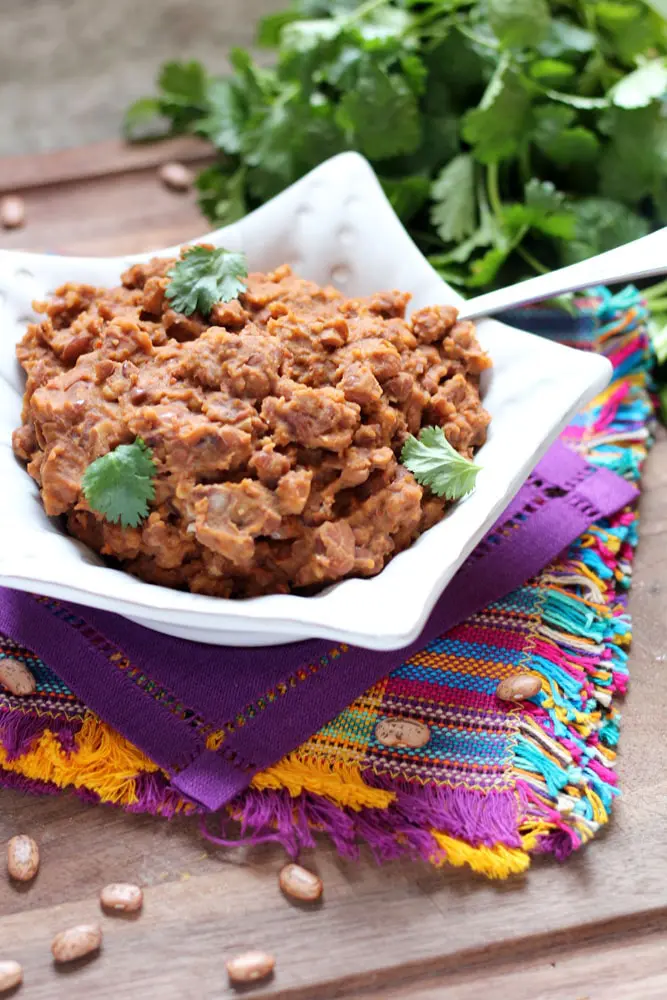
(176, 176)
(250, 967)
(75, 942)
(15, 677)
(122, 897)
(11, 974)
(12, 212)
(519, 687)
(22, 858)
(299, 883)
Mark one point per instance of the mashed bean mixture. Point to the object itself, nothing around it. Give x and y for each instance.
(276, 425)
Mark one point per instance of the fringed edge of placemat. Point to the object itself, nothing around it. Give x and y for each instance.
(562, 780)
(565, 749)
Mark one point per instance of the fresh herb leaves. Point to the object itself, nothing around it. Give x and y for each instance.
(204, 276)
(519, 23)
(454, 212)
(119, 485)
(434, 463)
(467, 109)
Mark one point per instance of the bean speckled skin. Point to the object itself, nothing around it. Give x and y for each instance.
(15, 677)
(176, 176)
(22, 858)
(519, 687)
(75, 942)
(299, 883)
(12, 212)
(11, 974)
(250, 967)
(121, 897)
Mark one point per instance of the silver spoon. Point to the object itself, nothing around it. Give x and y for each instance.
(640, 259)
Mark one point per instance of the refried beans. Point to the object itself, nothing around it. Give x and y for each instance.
(276, 425)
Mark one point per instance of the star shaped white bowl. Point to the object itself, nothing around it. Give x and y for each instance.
(334, 226)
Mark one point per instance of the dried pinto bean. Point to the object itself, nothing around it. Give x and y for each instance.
(519, 687)
(11, 974)
(22, 858)
(250, 967)
(75, 942)
(176, 176)
(15, 677)
(12, 212)
(122, 897)
(299, 883)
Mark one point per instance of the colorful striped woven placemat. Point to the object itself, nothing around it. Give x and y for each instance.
(495, 782)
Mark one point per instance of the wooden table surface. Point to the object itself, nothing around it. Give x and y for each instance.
(592, 929)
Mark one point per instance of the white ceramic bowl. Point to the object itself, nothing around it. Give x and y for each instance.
(334, 226)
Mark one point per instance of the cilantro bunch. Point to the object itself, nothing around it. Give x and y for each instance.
(510, 135)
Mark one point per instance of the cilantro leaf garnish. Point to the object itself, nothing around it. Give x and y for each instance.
(119, 485)
(204, 276)
(434, 463)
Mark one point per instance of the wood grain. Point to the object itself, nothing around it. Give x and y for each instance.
(105, 200)
(594, 928)
(112, 157)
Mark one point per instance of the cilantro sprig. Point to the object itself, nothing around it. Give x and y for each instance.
(119, 485)
(434, 463)
(204, 276)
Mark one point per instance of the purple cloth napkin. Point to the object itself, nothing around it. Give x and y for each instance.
(166, 694)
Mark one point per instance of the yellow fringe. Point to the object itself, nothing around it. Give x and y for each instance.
(342, 784)
(107, 764)
(104, 762)
(600, 814)
(532, 831)
(494, 862)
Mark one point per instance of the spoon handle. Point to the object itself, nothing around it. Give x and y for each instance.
(639, 259)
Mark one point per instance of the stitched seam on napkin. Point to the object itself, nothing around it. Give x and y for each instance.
(167, 700)
(80, 665)
(545, 492)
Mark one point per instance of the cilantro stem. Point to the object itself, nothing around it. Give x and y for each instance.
(494, 190)
(654, 291)
(658, 336)
(431, 31)
(484, 42)
(364, 10)
(285, 96)
(428, 238)
(587, 15)
(533, 261)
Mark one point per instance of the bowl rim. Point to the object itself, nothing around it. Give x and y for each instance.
(291, 615)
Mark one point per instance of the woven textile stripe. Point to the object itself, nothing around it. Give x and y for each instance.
(451, 684)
